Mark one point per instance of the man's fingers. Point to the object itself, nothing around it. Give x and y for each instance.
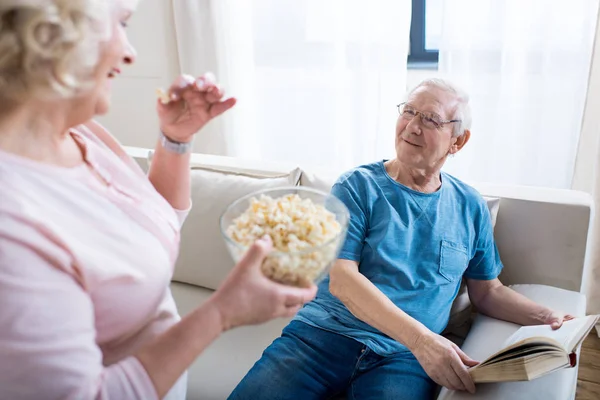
(463, 375)
(556, 323)
(466, 360)
(454, 380)
(451, 373)
(442, 381)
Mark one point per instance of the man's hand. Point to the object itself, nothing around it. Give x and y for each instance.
(444, 362)
(555, 318)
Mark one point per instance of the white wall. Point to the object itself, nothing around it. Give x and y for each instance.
(132, 118)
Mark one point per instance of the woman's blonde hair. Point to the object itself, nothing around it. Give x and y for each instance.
(49, 48)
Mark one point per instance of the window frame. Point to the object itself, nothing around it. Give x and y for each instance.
(418, 54)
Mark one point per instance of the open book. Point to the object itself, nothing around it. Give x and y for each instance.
(534, 351)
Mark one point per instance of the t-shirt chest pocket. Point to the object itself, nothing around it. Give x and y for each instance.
(454, 260)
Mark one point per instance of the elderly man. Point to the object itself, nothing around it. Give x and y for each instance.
(373, 330)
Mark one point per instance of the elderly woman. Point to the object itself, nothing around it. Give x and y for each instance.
(87, 242)
(374, 329)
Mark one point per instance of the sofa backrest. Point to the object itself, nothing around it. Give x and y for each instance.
(542, 234)
(204, 259)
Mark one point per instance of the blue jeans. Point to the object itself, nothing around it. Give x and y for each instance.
(311, 363)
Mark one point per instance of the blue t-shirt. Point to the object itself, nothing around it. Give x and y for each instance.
(415, 247)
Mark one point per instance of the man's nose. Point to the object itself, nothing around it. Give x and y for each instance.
(414, 125)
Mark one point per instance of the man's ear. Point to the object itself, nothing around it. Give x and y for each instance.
(460, 142)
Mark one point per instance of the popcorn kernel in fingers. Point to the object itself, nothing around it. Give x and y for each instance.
(162, 96)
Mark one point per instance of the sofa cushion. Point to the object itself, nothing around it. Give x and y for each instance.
(487, 335)
(225, 362)
(203, 258)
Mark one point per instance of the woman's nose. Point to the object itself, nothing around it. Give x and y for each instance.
(130, 54)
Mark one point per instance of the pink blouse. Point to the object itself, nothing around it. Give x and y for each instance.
(85, 268)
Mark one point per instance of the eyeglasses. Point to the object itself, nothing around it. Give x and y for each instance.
(429, 120)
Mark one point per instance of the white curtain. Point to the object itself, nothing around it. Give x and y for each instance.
(592, 286)
(196, 47)
(317, 80)
(525, 64)
(587, 176)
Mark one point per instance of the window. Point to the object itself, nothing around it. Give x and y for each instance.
(425, 33)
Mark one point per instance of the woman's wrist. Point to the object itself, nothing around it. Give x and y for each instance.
(174, 137)
(215, 307)
(174, 146)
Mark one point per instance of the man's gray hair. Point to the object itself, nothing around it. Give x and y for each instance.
(463, 109)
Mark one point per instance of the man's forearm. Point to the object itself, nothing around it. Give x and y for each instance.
(367, 303)
(170, 176)
(503, 303)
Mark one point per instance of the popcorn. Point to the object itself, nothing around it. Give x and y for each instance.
(303, 235)
(162, 96)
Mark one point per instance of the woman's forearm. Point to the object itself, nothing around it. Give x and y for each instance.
(167, 357)
(170, 176)
(367, 303)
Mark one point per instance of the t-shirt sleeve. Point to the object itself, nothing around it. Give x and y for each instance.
(485, 263)
(183, 214)
(351, 196)
(48, 344)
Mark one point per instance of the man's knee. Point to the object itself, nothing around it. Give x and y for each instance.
(296, 364)
(268, 374)
(399, 377)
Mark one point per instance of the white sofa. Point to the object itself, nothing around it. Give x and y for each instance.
(541, 234)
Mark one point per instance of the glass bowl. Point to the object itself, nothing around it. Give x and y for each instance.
(298, 267)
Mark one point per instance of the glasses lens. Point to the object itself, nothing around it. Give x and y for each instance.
(431, 120)
(407, 111)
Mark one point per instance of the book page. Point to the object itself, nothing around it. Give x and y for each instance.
(565, 335)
